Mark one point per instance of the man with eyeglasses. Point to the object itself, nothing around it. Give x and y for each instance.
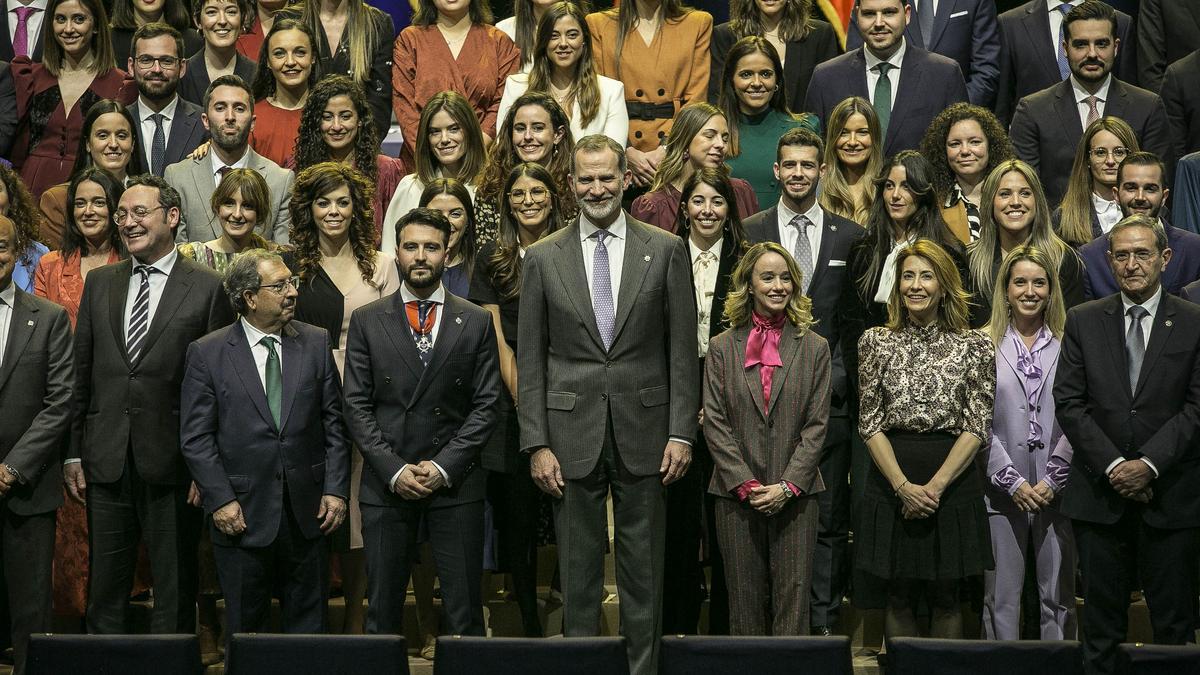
(1127, 392)
(262, 432)
(168, 127)
(136, 319)
(1048, 124)
(1141, 190)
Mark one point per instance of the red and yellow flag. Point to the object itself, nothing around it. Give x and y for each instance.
(837, 12)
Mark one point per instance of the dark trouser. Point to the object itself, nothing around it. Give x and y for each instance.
(1111, 559)
(517, 498)
(581, 523)
(120, 515)
(28, 546)
(830, 570)
(390, 545)
(291, 563)
(683, 587)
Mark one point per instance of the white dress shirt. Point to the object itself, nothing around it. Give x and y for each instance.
(147, 122)
(8, 296)
(1081, 95)
(1151, 306)
(789, 234)
(158, 281)
(33, 23)
(897, 61)
(259, 351)
(438, 298)
(217, 164)
(704, 280)
(1108, 212)
(1056, 20)
(616, 251)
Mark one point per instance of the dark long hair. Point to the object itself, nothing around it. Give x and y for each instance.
(101, 40)
(585, 88)
(503, 154)
(310, 144)
(83, 157)
(503, 266)
(456, 106)
(264, 79)
(73, 240)
(728, 100)
(454, 188)
(733, 234)
(305, 235)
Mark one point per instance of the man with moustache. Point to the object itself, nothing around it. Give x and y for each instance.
(229, 117)
(1048, 124)
(1141, 190)
(36, 371)
(136, 319)
(168, 127)
(262, 433)
(608, 394)
(422, 381)
(907, 85)
(820, 243)
(1128, 398)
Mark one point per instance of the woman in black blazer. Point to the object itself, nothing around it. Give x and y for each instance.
(802, 41)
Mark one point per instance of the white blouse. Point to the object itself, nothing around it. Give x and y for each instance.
(612, 119)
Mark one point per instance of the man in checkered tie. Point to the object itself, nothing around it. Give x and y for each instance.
(608, 393)
(136, 319)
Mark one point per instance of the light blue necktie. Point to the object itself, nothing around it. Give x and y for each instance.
(1064, 68)
(602, 297)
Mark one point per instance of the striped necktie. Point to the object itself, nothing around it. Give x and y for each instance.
(139, 318)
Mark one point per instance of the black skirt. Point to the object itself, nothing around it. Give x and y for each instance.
(953, 543)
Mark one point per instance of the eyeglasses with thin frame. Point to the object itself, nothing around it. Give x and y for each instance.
(281, 287)
(146, 62)
(536, 195)
(1142, 256)
(1101, 154)
(139, 214)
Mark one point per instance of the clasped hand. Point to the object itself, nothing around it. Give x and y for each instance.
(769, 499)
(418, 481)
(918, 501)
(1033, 498)
(1131, 479)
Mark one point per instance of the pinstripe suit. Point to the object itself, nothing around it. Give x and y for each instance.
(768, 559)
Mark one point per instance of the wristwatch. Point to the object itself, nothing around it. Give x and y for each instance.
(787, 490)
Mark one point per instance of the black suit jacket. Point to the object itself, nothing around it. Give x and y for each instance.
(966, 31)
(1105, 421)
(233, 447)
(1046, 129)
(121, 406)
(8, 109)
(829, 279)
(35, 396)
(195, 81)
(6, 46)
(799, 59)
(187, 131)
(399, 411)
(928, 84)
(1167, 30)
(1029, 61)
(1181, 97)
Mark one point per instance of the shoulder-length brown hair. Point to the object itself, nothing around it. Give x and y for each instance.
(953, 308)
(836, 196)
(1054, 313)
(305, 235)
(466, 243)
(503, 266)
(933, 144)
(83, 157)
(264, 79)
(174, 14)
(427, 165)
(796, 23)
(502, 156)
(739, 304)
(255, 193)
(101, 42)
(1075, 220)
(733, 235)
(689, 122)
(728, 100)
(584, 91)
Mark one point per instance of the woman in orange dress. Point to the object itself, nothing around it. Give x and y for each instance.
(287, 71)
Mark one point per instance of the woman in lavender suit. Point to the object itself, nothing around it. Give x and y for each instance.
(1029, 457)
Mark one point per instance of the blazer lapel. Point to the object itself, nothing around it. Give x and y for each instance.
(449, 332)
(828, 232)
(116, 304)
(1008, 354)
(1037, 27)
(1114, 319)
(911, 76)
(1067, 113)
(636, 263)
(293, 356)
(395, 325)
(181, 129)
(749, 375)
(729, 259)
(1118, 99)
(22, 323)
(789, 344)
(574, 277)
(940, 20)
(175, 292)
(1164, 322)
(238, 349)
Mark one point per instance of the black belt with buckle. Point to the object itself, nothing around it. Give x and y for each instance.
(650, 111)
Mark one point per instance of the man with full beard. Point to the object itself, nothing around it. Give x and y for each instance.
(421, 385)
(608, 394)
(168, 127)
(229, 117)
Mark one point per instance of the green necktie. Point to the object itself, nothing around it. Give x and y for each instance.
(273, 380)
(883, 97)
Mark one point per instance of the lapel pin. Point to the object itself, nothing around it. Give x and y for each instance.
(833, 228)
(30, 323)
(1168, 323)
(458, 320)
(647, 258)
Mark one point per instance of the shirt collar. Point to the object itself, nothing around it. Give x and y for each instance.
(239, 164)
(814, 213)
(9, 295)
(438, 297)
(896, 59)
(164, 264)
(1150, 305)
(1081, 93)
(1052, 5)
(168, 111)
(617, 229)
(254, 335)
(695, 251)
(36, 4)
(1101, 204)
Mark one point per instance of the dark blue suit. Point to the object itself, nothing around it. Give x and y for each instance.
(1184, 268)
(928, 84)
(966, 31)
(278, 475)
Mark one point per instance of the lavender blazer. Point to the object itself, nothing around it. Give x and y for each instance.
(1010, 426)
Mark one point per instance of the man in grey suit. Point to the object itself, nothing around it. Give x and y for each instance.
(608, 394)
(168, 127)
(422, 383)
(136, 319)
(229, 118)
(35, 395)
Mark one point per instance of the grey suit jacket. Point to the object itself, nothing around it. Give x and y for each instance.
(193, 178)
(647, 380)
(187, 131)
(35, 396)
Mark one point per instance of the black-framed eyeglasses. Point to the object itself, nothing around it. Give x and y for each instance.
(146, 62)
(139, 214)
(281, 287)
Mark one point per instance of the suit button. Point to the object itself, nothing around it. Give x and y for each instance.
(387, 380)
(437, 411)
(435, 441)
(133, 376)
(662, 92)
(1133, 412)
(603, 397)
(608, 364)
(127, 411)
(458, 381)
(771, 424)
(637, 134)
(637, 92)
(1039, 408)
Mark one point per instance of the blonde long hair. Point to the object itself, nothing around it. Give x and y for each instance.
(689, 122)
(952, 309)
(739, 303)
(1055, 313)
(1075, 222)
